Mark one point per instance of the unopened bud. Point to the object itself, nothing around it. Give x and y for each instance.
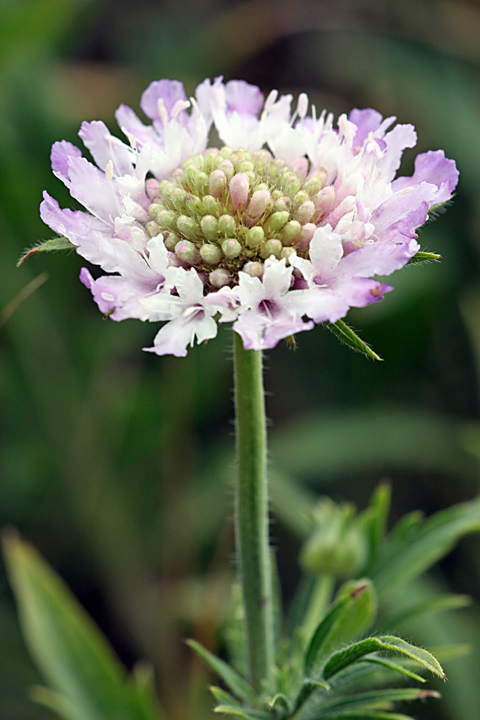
(300, 167)
(291, 230)
(188, 227)
(255, 237)
(165, 218)
(286, 252)
(170, 241)
(193, 203)
(219, 277)
(227, 225)
(227, 168)
(259, 202)
(209, 226)
(306, 234)
(153, 228)
(210, 205)
(282, 204)
(254, 269)
(231, 248)
(271, 247)
(305, 212)
(324, 201)
(239, 188)
(187, 252)
(276, 221)
(210, 253)
(217, 183)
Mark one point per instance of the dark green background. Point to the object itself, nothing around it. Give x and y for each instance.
(116, 463)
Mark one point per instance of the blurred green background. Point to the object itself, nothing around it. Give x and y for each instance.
(116, 463)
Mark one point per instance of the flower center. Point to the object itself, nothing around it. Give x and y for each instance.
(227, 211)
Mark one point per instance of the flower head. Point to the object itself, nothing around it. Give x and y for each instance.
(284, 226)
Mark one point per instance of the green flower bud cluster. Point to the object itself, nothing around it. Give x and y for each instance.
(337, 545)
(231, 210)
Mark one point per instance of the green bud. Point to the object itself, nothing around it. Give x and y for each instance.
(300, 198)
(282, 204)
(210, 206)
(245, 166)
(188, 227)
(211, 160)
(170, 241)
(165, 218)
(290, 231)
(337, 545)
(286, 252)
(187, 252)
(193, 204)
(211, 254)
(153, 228)
(271, 247)
(227, 167)
(227, 226)
(276, 222)
(225, 152)
(201, 183)
(209, 226)
(176, 198)
(231, 248)
(255, 237)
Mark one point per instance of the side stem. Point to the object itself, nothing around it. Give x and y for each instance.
(251, 513)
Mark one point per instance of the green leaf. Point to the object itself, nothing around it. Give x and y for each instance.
(409, 554)
(350, 616)
(89, 682)
(357, 651)
(396, 667)
(237, 684)
(346, 335)
(241, 712)
(57, 243)
(144, 696)
(430, 606)
(423, 257)
(374, 519)
(366, 715)
(379, 699)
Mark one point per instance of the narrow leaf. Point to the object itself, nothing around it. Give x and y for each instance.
(409, 554)
(241, 712)
(70, 651)
(397, 667)
(348, 618)
(367, 715)
(423, 257)
(374, 519)
(374, 699)
(430, 606)
(237, 684)
(357, 651)
(346, 335)
(57, 243)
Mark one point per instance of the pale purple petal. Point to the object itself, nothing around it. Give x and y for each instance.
(401, 204)
(61, 152)
(167, 91)
(104, 148)
(434, 168)
(175, 337)
(93, 191)
(378, 259)
(243, 98)
(401, 137)
(367, 121)
(131, 124)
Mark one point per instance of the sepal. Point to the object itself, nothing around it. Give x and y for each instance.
(346, 335)
(57, 243)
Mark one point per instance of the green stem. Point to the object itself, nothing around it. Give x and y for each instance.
(251, 513)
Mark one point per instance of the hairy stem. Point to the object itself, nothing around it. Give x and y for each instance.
(251, 513)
